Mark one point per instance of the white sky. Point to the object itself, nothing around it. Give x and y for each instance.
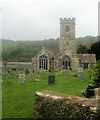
(39, 19)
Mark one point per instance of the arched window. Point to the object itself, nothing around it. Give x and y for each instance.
(66, 62)
(43, 62)
(67, 29)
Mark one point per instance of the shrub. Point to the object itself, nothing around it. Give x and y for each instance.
(96, 75)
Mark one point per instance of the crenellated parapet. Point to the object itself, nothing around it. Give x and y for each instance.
(64, 20)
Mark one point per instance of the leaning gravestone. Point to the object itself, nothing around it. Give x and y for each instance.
(21, 78)
(51, 80)
(80, 74)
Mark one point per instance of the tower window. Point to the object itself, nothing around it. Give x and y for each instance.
(67, 28)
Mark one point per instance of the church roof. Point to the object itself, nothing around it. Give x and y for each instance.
(46, 52)
(87, 58)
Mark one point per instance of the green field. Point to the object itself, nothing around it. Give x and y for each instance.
(18, 100)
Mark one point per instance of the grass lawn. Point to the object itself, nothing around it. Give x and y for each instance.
(18, 100)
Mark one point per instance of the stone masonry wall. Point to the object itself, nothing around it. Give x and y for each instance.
(57, 106)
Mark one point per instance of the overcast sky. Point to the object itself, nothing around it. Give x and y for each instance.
(39, 19)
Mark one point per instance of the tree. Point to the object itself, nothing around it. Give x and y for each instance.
(82, 49)
(95, 48)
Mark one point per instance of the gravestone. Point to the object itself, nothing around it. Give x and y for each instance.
(36, 73)
(21, 78)
(4, 68)
(89, 91)
(51, 80)
(80, 74)
(36, 77)
(30, 72)
(42, 70)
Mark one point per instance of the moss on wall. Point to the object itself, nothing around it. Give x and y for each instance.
(61, 109)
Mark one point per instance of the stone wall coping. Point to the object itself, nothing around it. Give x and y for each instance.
(92, 103)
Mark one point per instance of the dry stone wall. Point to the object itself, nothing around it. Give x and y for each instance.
(57, 106)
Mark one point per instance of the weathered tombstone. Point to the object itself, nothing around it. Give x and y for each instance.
(80, 74)
(30, 72)
(21, 78)
(89, 91)
(4, 68)
(36, 77)
(51, 80)
(61, 71)
(36, 73)
(46, 72)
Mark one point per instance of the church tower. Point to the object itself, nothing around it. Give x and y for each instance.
(67, 35)
(68, 55)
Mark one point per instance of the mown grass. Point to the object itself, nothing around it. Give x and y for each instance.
(18, 100)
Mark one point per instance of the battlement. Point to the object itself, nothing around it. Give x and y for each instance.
(67, 20)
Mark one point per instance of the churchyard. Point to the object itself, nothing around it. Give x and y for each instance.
(18, 99)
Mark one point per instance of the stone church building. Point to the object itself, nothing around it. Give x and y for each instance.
(67, 56)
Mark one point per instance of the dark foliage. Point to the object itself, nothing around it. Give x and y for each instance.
(96, 75)
(60, 110)
(95, 48)
(82, 49)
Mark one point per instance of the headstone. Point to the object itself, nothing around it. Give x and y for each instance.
(80, 69)
(46, 72)
(51, 80)
(36, 77)
(4, 68)
(42, 70)
(36, 73)
(61, 71)
(30, 72)
(89, 91)
(80, 74)
(21, 78)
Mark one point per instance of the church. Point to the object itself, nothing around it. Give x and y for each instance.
(67, 57)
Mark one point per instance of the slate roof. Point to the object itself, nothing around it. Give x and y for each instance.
(87, 58)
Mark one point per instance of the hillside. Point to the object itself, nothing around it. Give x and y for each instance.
(25, 50)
